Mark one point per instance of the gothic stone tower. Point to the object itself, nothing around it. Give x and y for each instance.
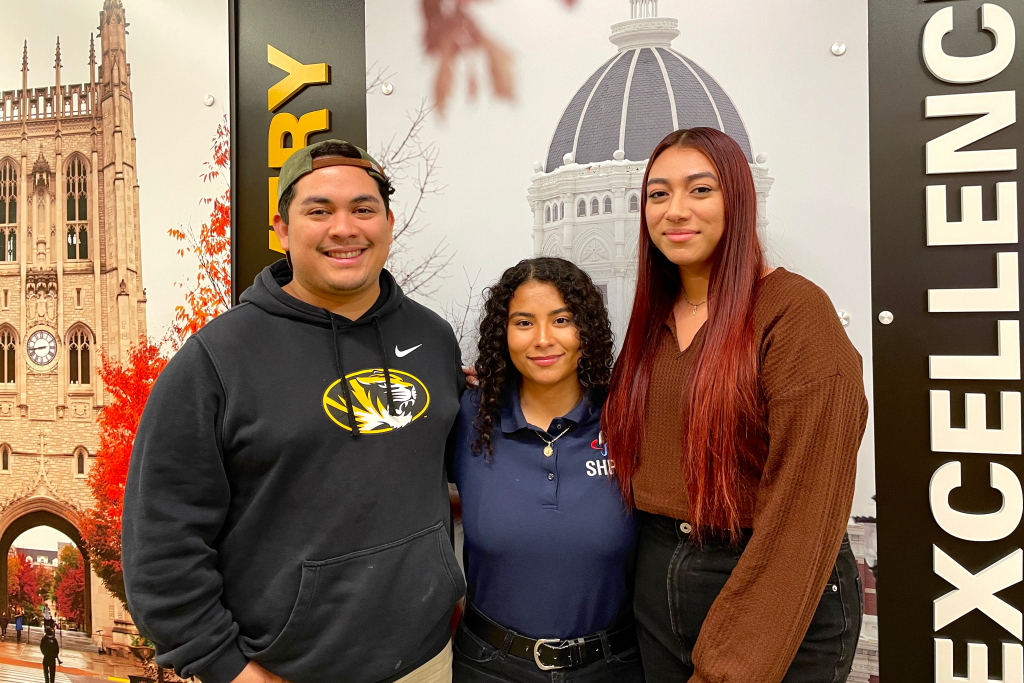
(70, 282)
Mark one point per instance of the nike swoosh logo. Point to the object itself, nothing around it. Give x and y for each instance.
(403, 354)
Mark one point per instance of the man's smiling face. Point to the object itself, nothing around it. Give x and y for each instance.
(338, 232)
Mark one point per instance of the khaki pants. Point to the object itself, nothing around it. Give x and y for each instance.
(437, 670)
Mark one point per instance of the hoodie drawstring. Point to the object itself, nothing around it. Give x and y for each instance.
(387, 370)
(344, 380)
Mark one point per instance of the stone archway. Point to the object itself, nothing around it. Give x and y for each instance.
(40, 511)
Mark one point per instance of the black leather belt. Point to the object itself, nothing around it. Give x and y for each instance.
(549, 653)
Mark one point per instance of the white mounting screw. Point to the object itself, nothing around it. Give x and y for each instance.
(387, 88)
(844, 318)
(839, 48)
(885, 317)
(209, 100)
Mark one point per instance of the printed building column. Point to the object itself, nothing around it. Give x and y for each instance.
(96, 248)
(59, 246)
(24, 249)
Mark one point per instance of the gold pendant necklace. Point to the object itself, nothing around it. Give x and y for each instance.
(687, 300)
(548, 449)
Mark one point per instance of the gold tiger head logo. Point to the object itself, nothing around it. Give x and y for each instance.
(369, 389)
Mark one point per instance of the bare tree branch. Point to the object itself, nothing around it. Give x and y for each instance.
(461, 315)
(376, 76)
(412, 164)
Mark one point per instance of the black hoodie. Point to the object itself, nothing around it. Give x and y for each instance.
(259, 525)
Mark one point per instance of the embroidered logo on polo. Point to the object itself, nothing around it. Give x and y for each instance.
(369, 390)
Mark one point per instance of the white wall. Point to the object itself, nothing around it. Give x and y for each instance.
(803, 107)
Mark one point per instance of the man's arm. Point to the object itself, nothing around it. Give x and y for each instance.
(175, 502)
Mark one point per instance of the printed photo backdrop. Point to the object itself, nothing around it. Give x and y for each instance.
(485, 178)
(513, 128)
(160, 71)
(799, 110)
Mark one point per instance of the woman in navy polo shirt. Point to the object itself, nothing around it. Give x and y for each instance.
(548, 539)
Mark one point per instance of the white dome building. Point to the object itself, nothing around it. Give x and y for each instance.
(586, 197)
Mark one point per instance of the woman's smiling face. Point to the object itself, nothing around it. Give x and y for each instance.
(685, 207)
(543, 342)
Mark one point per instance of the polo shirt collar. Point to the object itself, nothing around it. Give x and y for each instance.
(512, 418)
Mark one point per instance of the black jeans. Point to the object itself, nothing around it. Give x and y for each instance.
(677, 581)
(49, 670)
(478, 662)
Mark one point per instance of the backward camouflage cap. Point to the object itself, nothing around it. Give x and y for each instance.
(302, 162)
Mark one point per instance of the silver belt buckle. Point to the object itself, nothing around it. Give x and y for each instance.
(536, 653)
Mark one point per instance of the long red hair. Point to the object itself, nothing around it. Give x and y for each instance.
(725, 424)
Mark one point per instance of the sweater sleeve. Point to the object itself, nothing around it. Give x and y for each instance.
(816, 412)
(175, 502)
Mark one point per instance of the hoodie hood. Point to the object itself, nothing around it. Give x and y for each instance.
(268, 294)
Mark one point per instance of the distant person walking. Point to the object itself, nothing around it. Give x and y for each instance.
(3, 626)
(48, 622)
(51, 651)
(18, 621)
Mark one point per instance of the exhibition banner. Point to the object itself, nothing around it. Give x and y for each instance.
(945, 291)
(297, 76)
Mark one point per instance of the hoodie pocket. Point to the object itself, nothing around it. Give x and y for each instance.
(365, 616)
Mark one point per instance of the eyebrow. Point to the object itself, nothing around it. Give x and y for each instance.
(563, 309)
(689, 179)
(355, 200)
(316, 200)
(364, 198)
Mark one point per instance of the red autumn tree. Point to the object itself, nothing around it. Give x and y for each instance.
(44, 583)
(22, 587)
(210, 294)
(129, 385)
(130, 382)
(69, 584)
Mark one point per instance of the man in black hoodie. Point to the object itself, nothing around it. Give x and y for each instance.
(50, 649)
(286, 510)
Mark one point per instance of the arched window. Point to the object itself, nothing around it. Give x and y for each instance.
(78, 215)
(594, 207)
(562, 212)
(7, 355)
(78, 357)
(8, 212)
(581, 208)
(80, 454)
(547, 214)
(607, 204)
(5, 458)
(634, 203)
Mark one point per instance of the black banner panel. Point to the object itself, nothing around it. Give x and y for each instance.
(298, 75)
(944, 78)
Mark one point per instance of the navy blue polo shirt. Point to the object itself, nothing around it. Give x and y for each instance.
(547, 537)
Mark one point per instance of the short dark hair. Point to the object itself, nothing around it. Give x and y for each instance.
(335, 149)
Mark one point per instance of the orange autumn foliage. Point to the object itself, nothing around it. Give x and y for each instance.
(130, 382)
(129, 385)
(210, 294)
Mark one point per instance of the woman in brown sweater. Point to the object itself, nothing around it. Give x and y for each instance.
(735, 414)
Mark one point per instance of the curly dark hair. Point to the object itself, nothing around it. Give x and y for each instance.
(498, 376)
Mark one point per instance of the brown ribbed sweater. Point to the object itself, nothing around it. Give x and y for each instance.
(798, 506)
